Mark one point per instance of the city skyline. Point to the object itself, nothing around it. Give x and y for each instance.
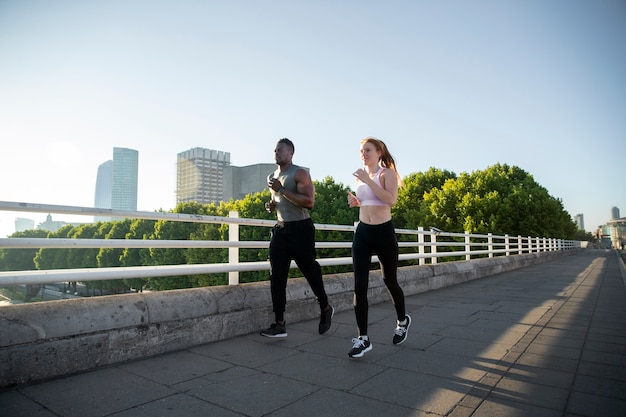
(452, 85)
(578, 218)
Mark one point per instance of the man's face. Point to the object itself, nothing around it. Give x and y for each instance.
(282, 153)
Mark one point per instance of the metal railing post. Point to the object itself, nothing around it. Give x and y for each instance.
(420, 241)
(233, 253)
(433, 249)
(507, 245)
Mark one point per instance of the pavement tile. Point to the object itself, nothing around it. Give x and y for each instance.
(537, 394)
(470, 348)
(602, 370)
(557, 350)
(14, 404)
(438, 364)
(498, 407)
(253, 395)
(326, 402)
(600, 386)
(96, 394)
(413, 390)
(251, 350)
(177, 405)
(541, 376)
(591, 405)
(175, 367)
(342, 374)
(557, 363)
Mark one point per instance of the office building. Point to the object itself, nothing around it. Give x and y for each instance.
(124, 184)
(206, 176)
(580, 221)
(200, 175)
(23, 224)
(116, 183)
(614, 213)
(104, 181)
(241, 181)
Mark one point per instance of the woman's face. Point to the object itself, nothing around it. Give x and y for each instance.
(369, 154)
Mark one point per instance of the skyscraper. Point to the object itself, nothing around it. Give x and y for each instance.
(200, 175)
(104, 188)
(580, 221)
(124, 184)
(116, 183)
(614, 213)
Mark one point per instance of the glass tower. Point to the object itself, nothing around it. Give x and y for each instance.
(116, 183)
(124, 180)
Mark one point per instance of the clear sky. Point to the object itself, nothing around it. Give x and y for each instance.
(457, 85)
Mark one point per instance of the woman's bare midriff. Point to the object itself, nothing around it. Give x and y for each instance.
(374, 214)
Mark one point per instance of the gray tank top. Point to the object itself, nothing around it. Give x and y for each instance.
(287, 211)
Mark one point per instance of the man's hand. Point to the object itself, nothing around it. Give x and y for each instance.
(275, 184)
(270, 206)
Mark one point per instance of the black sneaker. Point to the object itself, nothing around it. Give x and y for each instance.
(401, 331)
(275, 330)
(359, 348)
(326, 319)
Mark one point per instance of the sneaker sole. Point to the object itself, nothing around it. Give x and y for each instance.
(274, 335)
(363, 352)
(406, 334)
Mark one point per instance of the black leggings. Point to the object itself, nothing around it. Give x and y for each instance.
(294, 240)
(381, 239)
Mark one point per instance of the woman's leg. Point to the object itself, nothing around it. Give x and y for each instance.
(361, 260)
(387, 251)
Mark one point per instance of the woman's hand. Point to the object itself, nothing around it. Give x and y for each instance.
(352, 200)
(362, 175)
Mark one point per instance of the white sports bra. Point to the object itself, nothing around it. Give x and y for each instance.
(366, 195)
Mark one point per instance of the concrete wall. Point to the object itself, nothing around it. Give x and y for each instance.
(49, 339)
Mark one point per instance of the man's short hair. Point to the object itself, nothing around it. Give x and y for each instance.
(288, 143)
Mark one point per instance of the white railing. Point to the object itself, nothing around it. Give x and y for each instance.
(464, 244)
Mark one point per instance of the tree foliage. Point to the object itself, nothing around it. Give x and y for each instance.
(410, 211)
(21, 259)
(501, 199)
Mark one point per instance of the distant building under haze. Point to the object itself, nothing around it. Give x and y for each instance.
(116, 183)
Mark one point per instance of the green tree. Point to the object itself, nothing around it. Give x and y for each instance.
(331, 207)
(21, 259)
(139, 229)
(209, 232)
(168, 230)
(143, 230)
(410, 212)
(583, 236)
(501, 199)
(253, 207)
(48, 258)
(108, 257)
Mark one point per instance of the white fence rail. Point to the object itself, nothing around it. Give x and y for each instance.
(425, 246)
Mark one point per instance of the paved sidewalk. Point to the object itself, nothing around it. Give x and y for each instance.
(546, 340)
